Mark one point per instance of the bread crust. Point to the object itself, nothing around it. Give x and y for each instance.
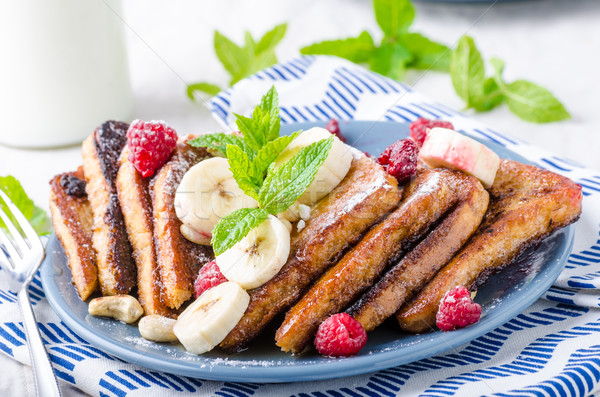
(527, 204)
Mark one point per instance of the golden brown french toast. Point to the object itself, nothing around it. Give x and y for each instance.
(136, 203)
(428, 197)
(364, 196)
(527, 204)
(72, 220)
(419, 266)
(179, 260)
(100, 152)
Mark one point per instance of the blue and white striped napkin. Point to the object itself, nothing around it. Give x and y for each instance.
(552, 349)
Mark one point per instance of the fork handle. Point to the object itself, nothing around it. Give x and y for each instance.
(45, 381)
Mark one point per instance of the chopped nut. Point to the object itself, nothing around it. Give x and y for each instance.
(157, 328)
(122, 307)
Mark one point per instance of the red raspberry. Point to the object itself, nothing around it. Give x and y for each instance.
(340, 335)
(334, 127)
(420, 127)
(150, 144)
(400, 159)
(457, 310)
(210, 276)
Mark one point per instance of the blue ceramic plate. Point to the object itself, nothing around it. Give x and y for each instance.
(504, 296)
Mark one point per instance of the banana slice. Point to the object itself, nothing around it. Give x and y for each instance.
(334, 168)
(207, 193)
(208, 320)
(444, 147)
(259, 256)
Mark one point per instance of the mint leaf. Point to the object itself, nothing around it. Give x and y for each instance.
(498, 65)
(242, 169)
(390, 60)
(532, 102)
(284, 184)
(207, 88)
(265, 123)
(467, 70)
(15, 192)
(270, 40)
(218, 141)
(234, 58)
(232, 228)
(356, 49)
(492, 96)
(394, 16)
(427, 54)
(269, 153)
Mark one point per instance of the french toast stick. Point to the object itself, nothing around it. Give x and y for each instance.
(135, 200)
(426, 199)
(179, 260)
(100, 152)
(72, 221)
(419, 266)
(365, 195)
(527, 204)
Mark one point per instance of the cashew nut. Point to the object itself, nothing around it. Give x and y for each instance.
(157, 328)
(122, 307)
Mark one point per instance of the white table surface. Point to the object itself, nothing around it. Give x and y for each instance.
(554, 43)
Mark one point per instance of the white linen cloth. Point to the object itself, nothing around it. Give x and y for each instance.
(553, 348)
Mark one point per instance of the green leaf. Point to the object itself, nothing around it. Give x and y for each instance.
(394, 16)
(534, 103)
(467, 70)
(232, 228)
(242, 169)
(234, 58)
(284, 184)
(265, 123)
(498, 65)
(218, 141)
(210, 89)
(15, 192)
(492, 96)
(270, 40)
(427, 54)
(356, 49)
(269, 153)
(390, 59)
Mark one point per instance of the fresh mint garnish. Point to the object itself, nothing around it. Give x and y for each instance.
(527, 100)
(241, 61)
(252, 158)
(235, 226)
(37, 217)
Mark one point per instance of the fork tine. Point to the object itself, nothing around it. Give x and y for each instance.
(8, 246)
(4, 259)
(17, 237)
(29, 232)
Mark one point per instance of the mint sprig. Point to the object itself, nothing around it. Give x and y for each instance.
(525, 99)
(399, 48)
(251, 160)
(36, 216)
(241, 61)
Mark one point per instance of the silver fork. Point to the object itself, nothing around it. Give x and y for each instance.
(20, 257)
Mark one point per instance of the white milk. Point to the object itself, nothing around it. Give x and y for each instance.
(63, 70)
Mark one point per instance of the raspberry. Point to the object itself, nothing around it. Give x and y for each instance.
(400, 159)
(457, 310)
(150, 144)
(334, 127)
(340, 335)
(420, 127)
(210, 276)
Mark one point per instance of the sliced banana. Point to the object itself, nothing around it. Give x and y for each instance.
(208, 320)
(334, 168)
(259, 256)
(207, 193)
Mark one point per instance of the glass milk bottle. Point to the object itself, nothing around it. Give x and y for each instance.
(63, 70)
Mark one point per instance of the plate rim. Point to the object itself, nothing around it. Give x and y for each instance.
(326, 369)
